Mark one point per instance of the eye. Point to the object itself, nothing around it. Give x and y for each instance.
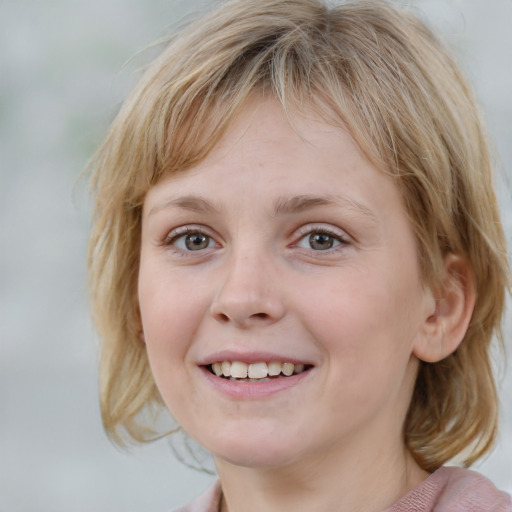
(191, 241)
(320, 241)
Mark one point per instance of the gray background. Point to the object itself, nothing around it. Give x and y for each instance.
(61, 81)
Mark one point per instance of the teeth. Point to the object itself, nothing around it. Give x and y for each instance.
(226, 368)
(217, 369)
(238, 370)
(288, 369)
(274, 368)
(299, 368)
(258, 370)
(255, 371)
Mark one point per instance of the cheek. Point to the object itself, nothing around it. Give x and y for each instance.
(168, 318)
(166, 313)
(367, 348)
(363, 323)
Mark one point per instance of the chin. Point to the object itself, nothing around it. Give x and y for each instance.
(251, 449)
(255, 457)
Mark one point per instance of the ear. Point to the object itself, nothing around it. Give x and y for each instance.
(444, 328)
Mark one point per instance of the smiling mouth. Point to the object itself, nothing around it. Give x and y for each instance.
(256, 372)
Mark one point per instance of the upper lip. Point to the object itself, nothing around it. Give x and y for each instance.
(251, 357)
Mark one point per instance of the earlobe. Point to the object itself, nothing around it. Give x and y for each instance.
(445, 328)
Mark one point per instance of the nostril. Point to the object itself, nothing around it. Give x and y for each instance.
(226, 318)
(223, 317)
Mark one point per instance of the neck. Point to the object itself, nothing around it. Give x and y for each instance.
(341, 479)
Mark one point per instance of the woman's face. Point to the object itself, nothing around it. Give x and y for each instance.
(285, 245)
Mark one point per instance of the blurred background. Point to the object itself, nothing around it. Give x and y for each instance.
(63, 74)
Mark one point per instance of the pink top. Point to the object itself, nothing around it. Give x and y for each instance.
(449, 489)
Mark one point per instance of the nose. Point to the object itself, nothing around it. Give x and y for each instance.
(248, 294)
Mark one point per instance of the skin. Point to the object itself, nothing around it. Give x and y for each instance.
(357, 312)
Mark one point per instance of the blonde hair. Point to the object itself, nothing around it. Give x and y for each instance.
(370, 66)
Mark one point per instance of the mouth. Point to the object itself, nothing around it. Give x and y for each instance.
(256, 372)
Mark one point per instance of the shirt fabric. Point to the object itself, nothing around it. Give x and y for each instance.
(449, 489)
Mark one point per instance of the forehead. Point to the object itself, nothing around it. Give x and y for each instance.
(290, 161)
(265, 126)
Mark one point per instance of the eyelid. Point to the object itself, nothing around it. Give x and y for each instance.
(340, 235)
(183, 230)
(328, 229)
(180, 231)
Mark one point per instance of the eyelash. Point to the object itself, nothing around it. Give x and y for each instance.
(174, 237)
(309, 230)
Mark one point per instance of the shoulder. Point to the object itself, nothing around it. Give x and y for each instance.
(452, 489)
(209, 501)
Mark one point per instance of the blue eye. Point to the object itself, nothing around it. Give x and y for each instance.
(319, 241)
(194, 241)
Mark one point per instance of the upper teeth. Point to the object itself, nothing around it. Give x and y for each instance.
(239, 370)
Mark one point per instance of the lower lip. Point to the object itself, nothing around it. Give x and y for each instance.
(243, 390)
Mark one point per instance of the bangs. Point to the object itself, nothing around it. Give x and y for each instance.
(366, 66)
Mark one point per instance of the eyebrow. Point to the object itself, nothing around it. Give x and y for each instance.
(191, 203)
(306, 202)
(282, 206)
